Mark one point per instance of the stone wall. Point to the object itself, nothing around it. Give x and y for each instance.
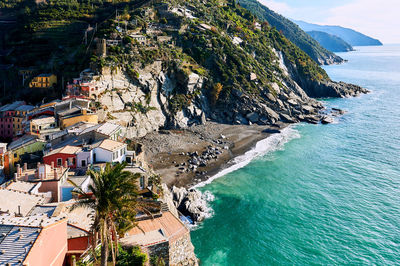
(181, 251)
(160, 250)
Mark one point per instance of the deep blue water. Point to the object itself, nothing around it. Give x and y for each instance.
(324, 194)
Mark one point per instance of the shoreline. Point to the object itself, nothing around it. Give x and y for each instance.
(168, 152)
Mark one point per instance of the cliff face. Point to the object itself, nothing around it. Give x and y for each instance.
(230, 70)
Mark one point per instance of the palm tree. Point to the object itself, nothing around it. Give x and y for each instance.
(113, 195)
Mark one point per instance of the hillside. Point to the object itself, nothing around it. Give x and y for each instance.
(171, 64)
(350, 36)
(292, 32)
(330, 42)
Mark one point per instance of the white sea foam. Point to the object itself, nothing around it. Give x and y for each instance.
(270, 144)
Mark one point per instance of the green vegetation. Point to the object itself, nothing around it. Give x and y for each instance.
(130, 256)
(226, 52)
(114, 198)
(291, 31)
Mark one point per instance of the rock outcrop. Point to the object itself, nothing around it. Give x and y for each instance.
(191, 203)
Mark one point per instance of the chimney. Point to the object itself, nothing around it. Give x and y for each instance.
(26, 177)
(18, 170)
(15, 177)
(55, 173)
(25, 167)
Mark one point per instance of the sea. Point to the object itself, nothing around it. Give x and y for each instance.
(317, 194)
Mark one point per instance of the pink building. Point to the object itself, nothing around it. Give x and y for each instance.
(33, 240)
(6, 119)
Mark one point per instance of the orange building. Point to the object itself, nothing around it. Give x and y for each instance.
(43, 81)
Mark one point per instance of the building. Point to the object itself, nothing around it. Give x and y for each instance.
(73, 117)
(79, 223)
(19, 118)
(100, 132)
(3, 150)
(73, 111)
(19, 203)
(164, 236)
(110, 151)
(50, 177)
(43, 81)
(139, 38)
(35, 240)
(64, 156)
(43, 126)
(27, 149)
(7, 113)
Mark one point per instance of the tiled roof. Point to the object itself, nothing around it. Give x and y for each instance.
(74, 232)
(44, 120)
(47, 210)
(22, 186)
(110, 145)
(25, 108)
(12, 199)
(26, 139)
(16, 243)
(169, 225)
(11, 106)
(18, 235)
(108, 128)
(65, 150)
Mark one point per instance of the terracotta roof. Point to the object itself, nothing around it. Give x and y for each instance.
(168, 225)
(65, 150)
(110, 145)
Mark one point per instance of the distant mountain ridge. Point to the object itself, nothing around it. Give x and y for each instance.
(350, 36)
(293, 32)
(331, 42)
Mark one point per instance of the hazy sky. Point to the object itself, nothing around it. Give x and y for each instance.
(376, 18)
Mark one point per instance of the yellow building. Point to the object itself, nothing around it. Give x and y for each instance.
(43, 81)
(19, 117)
(84, 117)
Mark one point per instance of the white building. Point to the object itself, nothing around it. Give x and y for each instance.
(110, 151)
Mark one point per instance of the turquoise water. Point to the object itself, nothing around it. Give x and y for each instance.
(328, 195)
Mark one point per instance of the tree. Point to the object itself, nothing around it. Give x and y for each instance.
(216, 90)
(113, 195)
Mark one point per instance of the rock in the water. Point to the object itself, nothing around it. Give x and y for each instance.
(327, 120)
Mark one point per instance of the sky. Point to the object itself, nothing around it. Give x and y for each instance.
(377, 18)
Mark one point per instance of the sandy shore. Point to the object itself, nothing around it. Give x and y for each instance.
(167, 151)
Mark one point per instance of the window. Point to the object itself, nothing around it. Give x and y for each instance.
(73, 161)
(83, 163)
(15, 155)
(59, 161)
